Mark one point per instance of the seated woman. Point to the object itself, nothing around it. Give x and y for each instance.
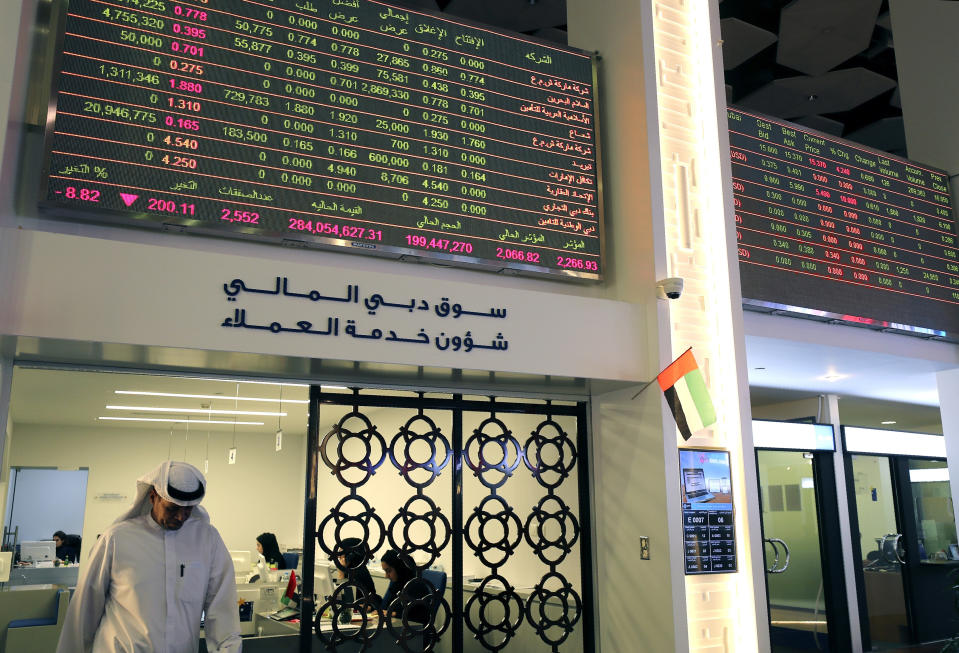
(68, 546)
(400, 570)
(352, 558)
(267, 546)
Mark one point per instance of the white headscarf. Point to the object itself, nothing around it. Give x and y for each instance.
(178, 482)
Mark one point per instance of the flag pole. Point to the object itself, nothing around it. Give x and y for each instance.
(645, 385)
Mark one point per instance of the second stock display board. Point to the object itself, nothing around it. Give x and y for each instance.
(831, 228)
(350, 124)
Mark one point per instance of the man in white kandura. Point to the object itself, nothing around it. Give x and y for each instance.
(152, 574)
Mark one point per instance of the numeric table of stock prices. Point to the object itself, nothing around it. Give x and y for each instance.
(343, 123)
(829, 225)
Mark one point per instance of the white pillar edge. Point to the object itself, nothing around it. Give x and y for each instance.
(845, 525)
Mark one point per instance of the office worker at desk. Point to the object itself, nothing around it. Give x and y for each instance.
(152, 574)
(267, 546)
(351, 554)
(68, 546)
(400, 570)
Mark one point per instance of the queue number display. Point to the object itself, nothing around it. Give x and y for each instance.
(830, 227)
(350, 124)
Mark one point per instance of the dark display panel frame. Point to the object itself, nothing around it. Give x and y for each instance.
(709, 533)
(856, 298)
(448, 250)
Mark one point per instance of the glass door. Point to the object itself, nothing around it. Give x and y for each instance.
(932, 560)
(793, 549)
(883, 553)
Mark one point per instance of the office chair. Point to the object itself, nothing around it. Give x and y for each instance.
(291, 559)
(438, 580)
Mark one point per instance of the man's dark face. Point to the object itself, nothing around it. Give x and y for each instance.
(168, 514)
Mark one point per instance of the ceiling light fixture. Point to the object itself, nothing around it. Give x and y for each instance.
(213, 397)
(204, 411)
(832, 377)
(288, 385)
(888, 421)
(180, 421)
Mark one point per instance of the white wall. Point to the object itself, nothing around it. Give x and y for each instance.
(636, 492)
(261, 492)
(45, 501)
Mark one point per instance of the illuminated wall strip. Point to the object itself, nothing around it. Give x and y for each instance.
(722, 610)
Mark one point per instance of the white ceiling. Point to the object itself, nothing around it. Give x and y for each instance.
(879, 376)
(75, 398)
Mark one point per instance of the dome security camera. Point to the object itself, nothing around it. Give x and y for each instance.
(669, 288)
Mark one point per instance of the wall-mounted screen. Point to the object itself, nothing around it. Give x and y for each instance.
(827, 227)
(347, 124)
(709, 531)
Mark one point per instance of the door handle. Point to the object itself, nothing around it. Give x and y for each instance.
(775, 542)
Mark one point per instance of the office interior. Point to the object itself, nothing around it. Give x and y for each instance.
(140, 311)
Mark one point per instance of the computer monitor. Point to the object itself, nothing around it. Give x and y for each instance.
(6, 562)
(322, 584)
(694, 482)
(242, 561)
(38, 551)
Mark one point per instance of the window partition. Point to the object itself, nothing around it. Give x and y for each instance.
(482, 496)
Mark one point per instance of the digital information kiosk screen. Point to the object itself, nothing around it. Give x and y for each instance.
(350, 124)
(829, 228)
(709, 531)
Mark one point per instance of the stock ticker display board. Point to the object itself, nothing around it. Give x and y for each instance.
(831, 228)
(341, 123)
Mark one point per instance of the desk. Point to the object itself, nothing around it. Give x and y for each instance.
(283, 637)
(60, 576)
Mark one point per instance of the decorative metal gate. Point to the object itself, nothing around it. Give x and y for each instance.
(371, 440)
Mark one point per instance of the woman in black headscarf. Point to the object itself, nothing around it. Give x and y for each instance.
(352, 554)
(400, 570)
(267, 546)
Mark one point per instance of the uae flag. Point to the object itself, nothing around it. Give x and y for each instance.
(290, 590)
(685, 390)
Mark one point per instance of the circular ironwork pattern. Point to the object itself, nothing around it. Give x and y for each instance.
(552, 551)
(347, 599)
(475, 454)
(536, 609)
(422, 594)
(341, 516)
(410, 519)
(346, 461)
(537, 452)
(484, 544)
(483, 597)
(403, 458)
